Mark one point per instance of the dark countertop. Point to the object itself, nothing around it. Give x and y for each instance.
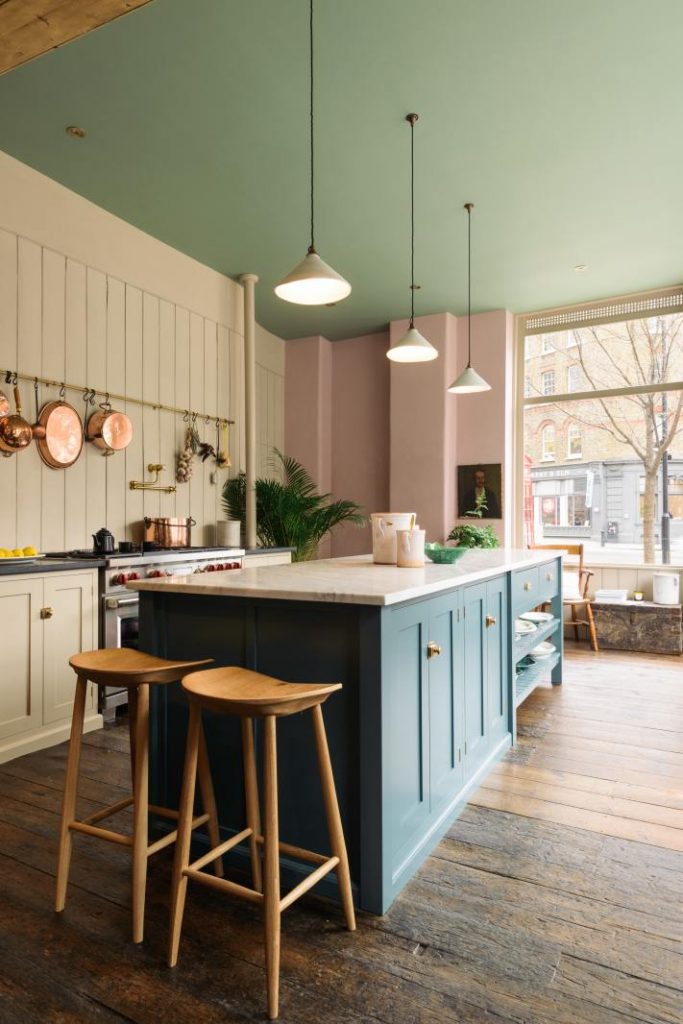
(43, 565)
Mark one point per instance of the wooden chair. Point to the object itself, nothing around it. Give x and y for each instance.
(122, 667)
(583, 600)
(238, 691)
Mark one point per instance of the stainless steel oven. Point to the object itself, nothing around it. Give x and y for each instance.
(120, 620)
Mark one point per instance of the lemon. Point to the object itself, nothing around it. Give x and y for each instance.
(30, 551)
(4, 553)
(17, 553)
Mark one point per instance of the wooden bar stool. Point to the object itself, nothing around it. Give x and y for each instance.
(136, 671)
(238, 691)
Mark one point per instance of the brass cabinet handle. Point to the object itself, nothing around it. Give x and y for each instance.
(490, 620)
(528, 585)
(549, 576)
(46, 613)
(433, 650)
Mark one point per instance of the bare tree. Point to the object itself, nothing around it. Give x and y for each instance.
(632, 353)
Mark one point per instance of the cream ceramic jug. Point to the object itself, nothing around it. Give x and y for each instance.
(384, 527)
(410, 548)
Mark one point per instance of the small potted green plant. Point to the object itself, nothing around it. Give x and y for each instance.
(467, 535)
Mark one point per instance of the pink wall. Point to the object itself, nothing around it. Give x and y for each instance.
(360, 433)
(420, 429)
(485, 422)
(389, 435)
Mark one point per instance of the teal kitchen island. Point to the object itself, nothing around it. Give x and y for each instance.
(431, 676)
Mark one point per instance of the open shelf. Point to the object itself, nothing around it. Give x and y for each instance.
(527, 680)
(526, 643)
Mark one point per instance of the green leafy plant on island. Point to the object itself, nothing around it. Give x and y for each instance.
(467, 535)
(290, 512)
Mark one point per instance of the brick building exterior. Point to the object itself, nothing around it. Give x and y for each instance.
(586, 482)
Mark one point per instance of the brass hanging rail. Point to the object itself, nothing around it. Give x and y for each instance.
(90, 395)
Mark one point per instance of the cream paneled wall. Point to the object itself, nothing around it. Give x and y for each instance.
(63, 318)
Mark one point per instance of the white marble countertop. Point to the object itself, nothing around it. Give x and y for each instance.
(355, 580)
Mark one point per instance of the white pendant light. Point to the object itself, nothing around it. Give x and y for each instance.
(312, 282)
(469, 382)
(413, 347)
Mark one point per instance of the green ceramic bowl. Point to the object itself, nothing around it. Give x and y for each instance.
(443, 555)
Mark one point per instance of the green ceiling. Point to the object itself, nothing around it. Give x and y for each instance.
(560, 120)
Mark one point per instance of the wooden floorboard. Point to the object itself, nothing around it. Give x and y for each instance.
(555, 898)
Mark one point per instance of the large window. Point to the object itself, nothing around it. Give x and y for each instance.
(614, 436)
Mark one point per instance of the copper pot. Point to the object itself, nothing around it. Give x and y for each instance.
(110, 431)
(15, 431)
(59, 435)
(169, 532)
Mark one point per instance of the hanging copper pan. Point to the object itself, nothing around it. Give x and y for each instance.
(4, 404)
(109, 430)
(59, 435)
(15, 431)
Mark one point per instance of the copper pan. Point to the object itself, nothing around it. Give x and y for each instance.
(4, 405)
(110, 431)
(59, 435)
(15, 431)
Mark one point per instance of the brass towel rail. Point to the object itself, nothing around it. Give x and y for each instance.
(90, 395)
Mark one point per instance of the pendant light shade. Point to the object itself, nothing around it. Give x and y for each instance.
(312, 282)
(413, 347)
(469, 382)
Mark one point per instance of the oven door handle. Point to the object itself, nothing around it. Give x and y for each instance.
(120, 602)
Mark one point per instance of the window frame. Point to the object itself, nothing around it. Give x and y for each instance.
(545, 457)
(547, 373)
(574, 429)
(630, 306)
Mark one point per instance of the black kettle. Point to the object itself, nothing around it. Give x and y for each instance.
(104, 543)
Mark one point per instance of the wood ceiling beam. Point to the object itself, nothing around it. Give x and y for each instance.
(29, 28)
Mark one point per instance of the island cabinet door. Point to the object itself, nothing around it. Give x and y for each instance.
(475, 644)
(444, 653)
(406, 726)
(497, 659)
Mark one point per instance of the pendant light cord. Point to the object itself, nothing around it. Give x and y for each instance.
(412, 118)
(310, 33)
(468, 207)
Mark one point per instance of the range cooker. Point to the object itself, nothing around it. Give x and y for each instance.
(119, 622)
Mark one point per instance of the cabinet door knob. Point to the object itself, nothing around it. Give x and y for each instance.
(46, 613)
(549, 576)
(527, 585)
(490, 620)
(433, 650)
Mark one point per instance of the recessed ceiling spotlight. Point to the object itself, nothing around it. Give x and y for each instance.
(74, 132)
(580, 267)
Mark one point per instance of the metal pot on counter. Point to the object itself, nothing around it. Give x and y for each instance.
(169, 531)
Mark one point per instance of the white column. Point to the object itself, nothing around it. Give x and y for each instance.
(249, 281)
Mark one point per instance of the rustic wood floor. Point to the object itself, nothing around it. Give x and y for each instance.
(556, 898)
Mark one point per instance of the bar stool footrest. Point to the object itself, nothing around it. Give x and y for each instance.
(308, 882)
(224, 885)
(87, 826)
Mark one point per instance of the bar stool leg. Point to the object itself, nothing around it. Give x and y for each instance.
(140, 811)
(271, 881)
(251, 800)
(209, 801)
(182, 848)
(132, 725)
(334, 823)
(70, 790)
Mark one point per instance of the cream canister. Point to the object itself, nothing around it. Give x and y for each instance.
(410, 548)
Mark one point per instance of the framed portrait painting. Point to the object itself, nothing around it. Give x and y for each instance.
(480, 491)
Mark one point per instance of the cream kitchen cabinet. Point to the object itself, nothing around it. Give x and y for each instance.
(43, 620)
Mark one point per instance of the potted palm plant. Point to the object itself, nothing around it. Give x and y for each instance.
(289, 511)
